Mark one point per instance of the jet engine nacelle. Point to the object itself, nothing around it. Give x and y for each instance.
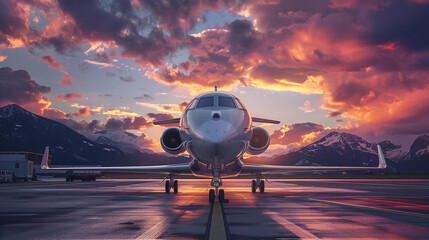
(259, 142)
(171, 141)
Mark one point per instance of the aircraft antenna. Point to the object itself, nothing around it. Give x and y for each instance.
(215, 88)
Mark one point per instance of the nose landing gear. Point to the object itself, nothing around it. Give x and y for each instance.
(258, 183)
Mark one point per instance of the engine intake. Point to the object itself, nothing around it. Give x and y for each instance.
(171, 141)
(259, 142)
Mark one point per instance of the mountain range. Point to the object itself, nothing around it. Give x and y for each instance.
(21, 130)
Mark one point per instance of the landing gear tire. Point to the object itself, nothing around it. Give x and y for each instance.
(175, 186)
(253, 186)
(221, 195)
(167, 186)
(262, 186)
(211, 195)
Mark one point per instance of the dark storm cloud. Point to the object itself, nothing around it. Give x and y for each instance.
(12, 21)
(18, 87)
(242, 37)
(404, 22)
(97, 23)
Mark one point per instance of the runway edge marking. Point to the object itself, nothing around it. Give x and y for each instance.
(373, 208)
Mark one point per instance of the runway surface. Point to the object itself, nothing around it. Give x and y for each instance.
(139, 209)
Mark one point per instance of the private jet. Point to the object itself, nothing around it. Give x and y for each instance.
(216, 130)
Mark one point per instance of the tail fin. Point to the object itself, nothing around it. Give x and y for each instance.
(381, 161)
(44, 164)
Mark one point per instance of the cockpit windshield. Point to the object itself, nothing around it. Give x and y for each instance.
(205, 102)
(226, 102)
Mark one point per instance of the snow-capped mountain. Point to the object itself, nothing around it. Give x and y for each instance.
(417, 159)
(125, 147)
(337, 149)
(21, 130)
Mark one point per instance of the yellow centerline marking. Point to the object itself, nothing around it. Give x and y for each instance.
(217, 227)
(374, 208)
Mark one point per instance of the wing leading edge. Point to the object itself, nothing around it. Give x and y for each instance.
(263, 120)
(256, 168)
(168, 123)
(163, 169)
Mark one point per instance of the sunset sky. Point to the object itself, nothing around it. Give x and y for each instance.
(360, 66)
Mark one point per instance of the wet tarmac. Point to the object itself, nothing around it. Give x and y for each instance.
(139, 209)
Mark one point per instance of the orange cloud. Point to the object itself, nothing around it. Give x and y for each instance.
(68, 96)
(83, 112)
(54, 113)
(307, 108)
(67, 79)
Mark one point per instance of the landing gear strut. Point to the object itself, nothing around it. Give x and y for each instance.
(216, 182)
(171, 184)
(258, 183)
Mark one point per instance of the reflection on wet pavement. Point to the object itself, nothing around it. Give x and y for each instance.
(139, 209)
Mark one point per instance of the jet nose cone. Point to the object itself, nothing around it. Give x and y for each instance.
(218, 131)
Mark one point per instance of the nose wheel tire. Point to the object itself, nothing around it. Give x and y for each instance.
(253, 186)
(167, 186)
(221, 195)
(175, 186)
(211, 195)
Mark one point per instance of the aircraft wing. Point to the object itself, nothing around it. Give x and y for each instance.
(263, 120)
(256, 168)
(161, 169)
(169, 122)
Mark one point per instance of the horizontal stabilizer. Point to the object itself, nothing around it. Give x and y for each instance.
(263, 120)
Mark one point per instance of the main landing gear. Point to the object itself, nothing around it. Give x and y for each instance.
(258, 183)
(171, 184)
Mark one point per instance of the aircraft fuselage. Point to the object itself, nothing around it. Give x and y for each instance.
(216, 129)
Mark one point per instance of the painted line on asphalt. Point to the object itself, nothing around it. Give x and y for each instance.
(421, 215)
(217, 226)
(295, 229)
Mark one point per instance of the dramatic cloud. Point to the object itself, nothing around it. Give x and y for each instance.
(67, 79)
(54, 113)
(84, 112)
(297, 134)
(168, 108)
(17, 87)
(368, 60)
(118, 112)
(68, 96)
(160, 116)
(136, 123)
(306, 108)
(52, 63)
(100, 64)
(334, 114)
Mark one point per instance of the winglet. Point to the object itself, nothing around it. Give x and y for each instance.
(44, 164)
(381, 161)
